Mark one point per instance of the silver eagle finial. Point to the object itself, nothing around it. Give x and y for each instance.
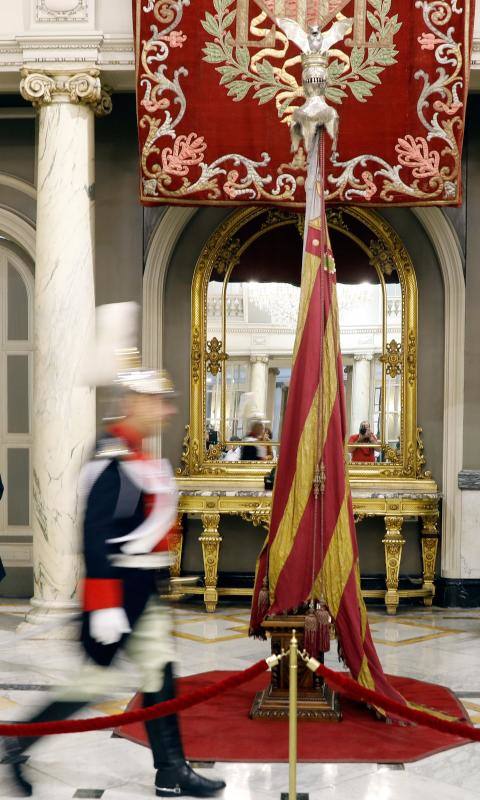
(315, 112)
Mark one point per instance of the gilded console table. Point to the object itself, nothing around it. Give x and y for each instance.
(253, 503)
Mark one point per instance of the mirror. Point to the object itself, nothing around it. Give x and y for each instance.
(242, 347)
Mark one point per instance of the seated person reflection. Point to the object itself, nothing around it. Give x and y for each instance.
(253, 449)
(234, 452)
(364, 436)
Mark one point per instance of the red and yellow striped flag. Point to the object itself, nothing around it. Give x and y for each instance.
(310, 553)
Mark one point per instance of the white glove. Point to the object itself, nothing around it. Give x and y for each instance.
(107, 625)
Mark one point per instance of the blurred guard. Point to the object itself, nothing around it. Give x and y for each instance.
(2, 571)
(131, 505)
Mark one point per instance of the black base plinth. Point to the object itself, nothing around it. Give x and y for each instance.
(300, 796)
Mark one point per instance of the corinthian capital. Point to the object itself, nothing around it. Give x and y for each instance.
(43, 88)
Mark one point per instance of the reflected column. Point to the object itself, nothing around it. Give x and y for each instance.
(270, 405)
(361, 390)
(259, 381)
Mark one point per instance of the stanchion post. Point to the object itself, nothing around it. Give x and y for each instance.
(292, 719)
(292, 723)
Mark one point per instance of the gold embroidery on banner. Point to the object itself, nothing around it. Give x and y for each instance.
(242, 36)
(328, 10)
(421, 174)
(360, 29)
(302, 13)
(321, 12)
(174, 166)
(298, 162)
(242, 72)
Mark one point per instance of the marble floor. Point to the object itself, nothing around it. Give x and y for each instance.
(440, 645)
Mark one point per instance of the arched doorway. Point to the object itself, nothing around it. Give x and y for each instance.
(175, 223)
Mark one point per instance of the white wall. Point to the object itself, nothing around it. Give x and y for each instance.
(114, 16)
(108, 16)
(94, 32)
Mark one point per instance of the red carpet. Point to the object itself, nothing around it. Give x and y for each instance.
(220, 730)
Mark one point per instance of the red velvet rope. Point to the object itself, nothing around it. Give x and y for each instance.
(337, 680)
(140, 714)
(346, 686)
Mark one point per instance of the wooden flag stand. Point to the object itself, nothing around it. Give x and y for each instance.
(316, 701)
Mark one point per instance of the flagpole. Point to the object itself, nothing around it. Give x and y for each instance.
(292, 498)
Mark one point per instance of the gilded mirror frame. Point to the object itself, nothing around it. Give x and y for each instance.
(221, 253)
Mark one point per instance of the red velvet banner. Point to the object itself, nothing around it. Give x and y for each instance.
(217, 83)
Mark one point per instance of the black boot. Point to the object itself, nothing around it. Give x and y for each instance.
(15, 749)
(183, 781)
(174, 777)
(13, 755)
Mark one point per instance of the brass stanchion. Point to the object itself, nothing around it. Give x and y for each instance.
(292, 724)
(292, 720)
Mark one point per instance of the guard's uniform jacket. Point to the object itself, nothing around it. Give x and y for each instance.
(2, 571)
(130, 509)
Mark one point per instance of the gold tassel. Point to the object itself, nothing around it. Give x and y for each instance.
(323, 627)
(311, 631)
(263, 599)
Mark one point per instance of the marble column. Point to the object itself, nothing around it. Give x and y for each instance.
(271, 387)
(348, 373)
(259, 380)
(64, 311)
(361, 390)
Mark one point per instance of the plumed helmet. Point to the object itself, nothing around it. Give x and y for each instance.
(116, 360)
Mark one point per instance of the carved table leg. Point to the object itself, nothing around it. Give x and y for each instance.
(429, 553)
(211, 547)
(176, 547)
(393, 554)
